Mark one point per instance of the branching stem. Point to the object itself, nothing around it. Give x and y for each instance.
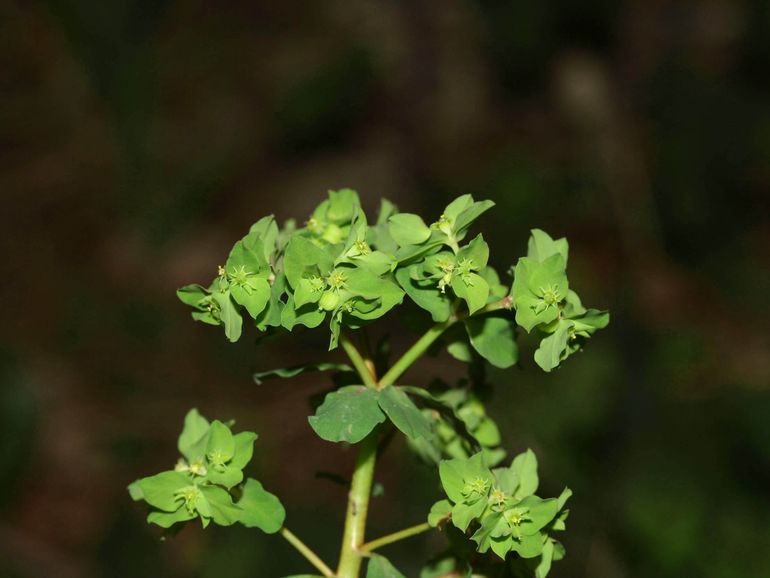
(362, 366)
(395, 537)
(303, 549)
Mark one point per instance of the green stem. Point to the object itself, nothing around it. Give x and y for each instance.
(395, 537)
(363, 369)
(422, 344)
(358, 506)
(415, 352)
(311, 556)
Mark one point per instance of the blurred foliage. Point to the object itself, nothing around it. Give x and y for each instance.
(139, 138)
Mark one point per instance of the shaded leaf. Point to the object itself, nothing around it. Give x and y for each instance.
(348, 415)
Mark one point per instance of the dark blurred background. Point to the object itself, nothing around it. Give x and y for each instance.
(140, 138)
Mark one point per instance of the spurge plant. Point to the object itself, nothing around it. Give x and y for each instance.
(341, 270)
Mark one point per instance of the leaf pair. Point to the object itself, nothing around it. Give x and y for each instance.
(460, 425)
(200, 485)
(350, 413)
(502, 507)
(543, 299)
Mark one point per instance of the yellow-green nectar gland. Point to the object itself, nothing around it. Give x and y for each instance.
(549, 297)
(477, 486)
(217, 459)
(198, 468)
(190, 495)
(464, 269)
(316, 283)
(221, 271)
(447, 266)
(515, 517)
(361, 248)
(444, 225)
(497, 497)
(337, 279)
(314, 226)
(240, 277)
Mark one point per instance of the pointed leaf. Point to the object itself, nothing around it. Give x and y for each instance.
(408, 229)
(541, 246)
(380, 567)
(404, 414)
(285, 372)
(260, 509)
(192, 440)
(493, 338)
(348, 415)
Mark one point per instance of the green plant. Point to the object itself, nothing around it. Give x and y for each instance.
(340, 269)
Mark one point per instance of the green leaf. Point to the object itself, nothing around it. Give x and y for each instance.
(159, 490)
(220, 505)
(260, 509)
(168, 519)
(309, 315)
(271, 315)
(285, 372)
(192, 440)
(192, 294)
(492, 526)
(342, 206)
(455, 472)
(426, 295)
(227, 476)
(220, 447)
(463, 211)
(448, 566)
(477, 252)
(538, 288)
(439, 513)
(541, 246)
(135, 491)
(553, 349)
(411, 253)
(348, 415)
(244, 449)
(404, 413)
(528, 546)
(408, 229)
(460, 349)
(524, 466)
(544, 567)
(229, 315)
(266, 230)
(254, 295)
(377, 262)
(247, 254)
(469, 215)
(364, 283)
(308, 291)
(463, 514)
(539, 513)
(493, 338)
(380, 567)
(305, 257)
(473, 288)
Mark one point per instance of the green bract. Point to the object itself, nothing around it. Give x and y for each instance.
(499, 507)
(341, 270)
(205, 481)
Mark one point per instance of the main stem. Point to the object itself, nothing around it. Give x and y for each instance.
(352, 553)
(358, 506)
